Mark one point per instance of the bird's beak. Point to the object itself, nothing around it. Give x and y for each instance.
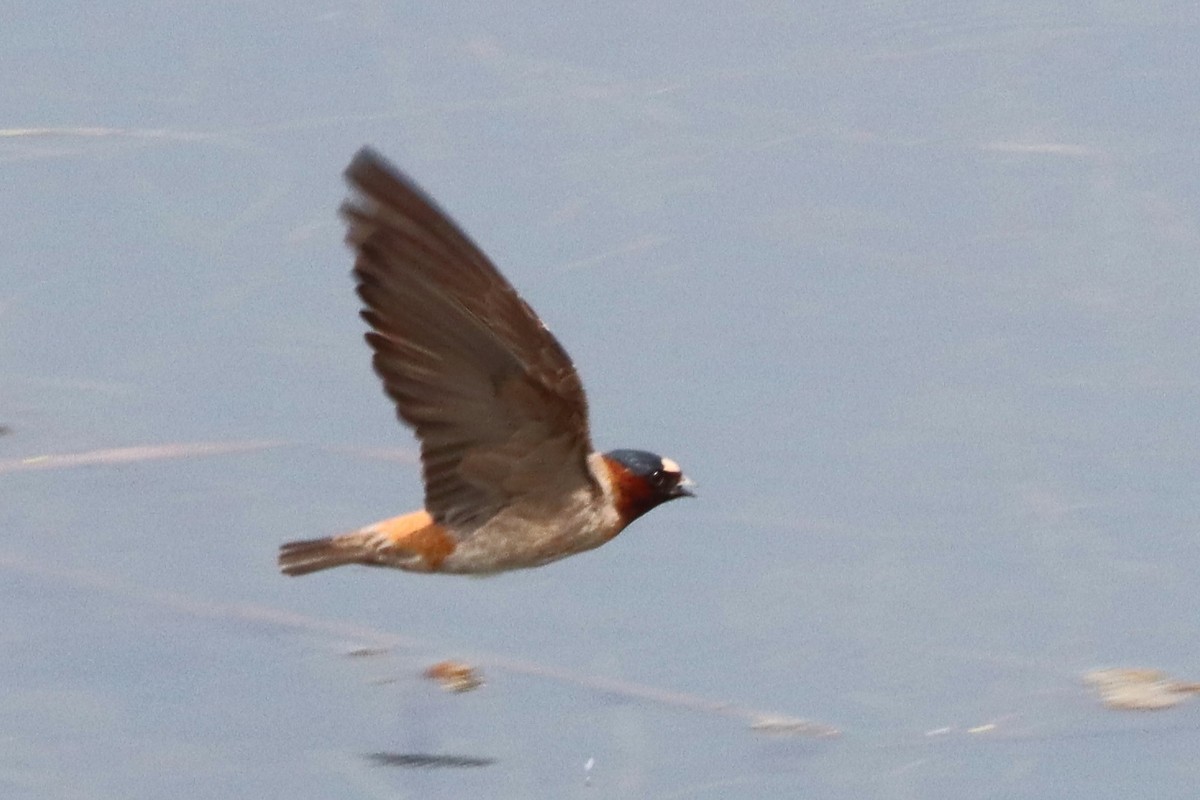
(684, 487)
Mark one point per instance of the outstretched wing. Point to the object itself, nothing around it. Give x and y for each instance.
(493, 397)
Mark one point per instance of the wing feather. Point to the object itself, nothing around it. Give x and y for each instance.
(494, 399)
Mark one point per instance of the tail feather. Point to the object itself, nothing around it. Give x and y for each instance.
(410, 541)
(312, 555)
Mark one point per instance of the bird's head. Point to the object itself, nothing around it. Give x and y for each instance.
(642, 480)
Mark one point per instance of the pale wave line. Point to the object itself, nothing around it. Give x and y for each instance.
(100, 132)
(131, 455)
(1043, 149)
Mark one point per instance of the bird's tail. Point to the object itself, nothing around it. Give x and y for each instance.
(410, 541)
(312, 555)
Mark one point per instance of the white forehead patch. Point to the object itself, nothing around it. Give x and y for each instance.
(670, 466)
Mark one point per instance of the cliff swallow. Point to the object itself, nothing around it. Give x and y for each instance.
(511, 480)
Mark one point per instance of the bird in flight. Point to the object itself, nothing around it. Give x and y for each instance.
(511, 480)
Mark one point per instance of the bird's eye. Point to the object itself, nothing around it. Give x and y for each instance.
(663, 478)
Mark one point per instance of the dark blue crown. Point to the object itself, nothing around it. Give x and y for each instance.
(639, 462)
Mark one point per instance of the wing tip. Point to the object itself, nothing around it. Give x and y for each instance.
(365, 162)
(371, 173)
